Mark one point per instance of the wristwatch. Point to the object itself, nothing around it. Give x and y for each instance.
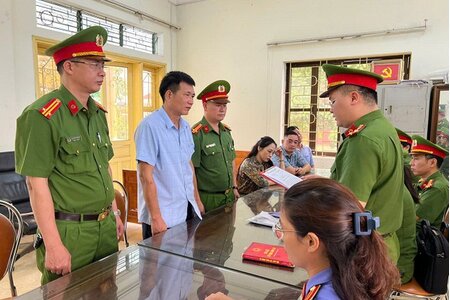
(117, 213)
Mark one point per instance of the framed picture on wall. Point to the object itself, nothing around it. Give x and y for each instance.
(390, 70)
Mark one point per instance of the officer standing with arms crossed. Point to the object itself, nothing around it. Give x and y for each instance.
(214, 154)
(369, 160)
(63, 149)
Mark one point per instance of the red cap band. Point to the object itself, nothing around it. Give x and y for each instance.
(405, 139)
(355, 79)
(77, 50)
(214, 95)
(420, 148)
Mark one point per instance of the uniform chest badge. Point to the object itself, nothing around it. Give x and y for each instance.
(210, 145)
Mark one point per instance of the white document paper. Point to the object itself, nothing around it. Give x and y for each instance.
(263, 218)
(281, 177)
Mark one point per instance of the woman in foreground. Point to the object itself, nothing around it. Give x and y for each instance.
(325, 233)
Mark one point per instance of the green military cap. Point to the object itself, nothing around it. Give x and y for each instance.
(338, 76)
(424, 146)
(403, 136)
(86, 43)
(216, 91)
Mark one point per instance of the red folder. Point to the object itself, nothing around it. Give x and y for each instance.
(271, 254)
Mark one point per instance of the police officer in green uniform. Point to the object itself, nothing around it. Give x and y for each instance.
(369, 160)
(433, 187)
(63, 148)
(407, 232)
(214, 154)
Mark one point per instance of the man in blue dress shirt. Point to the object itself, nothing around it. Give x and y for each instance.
(164, 146)
(294, 162)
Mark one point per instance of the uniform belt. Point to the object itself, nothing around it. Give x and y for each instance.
(221, 193)
(59, 215)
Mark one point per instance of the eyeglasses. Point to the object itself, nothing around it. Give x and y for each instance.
(98, 65)
(278, 231)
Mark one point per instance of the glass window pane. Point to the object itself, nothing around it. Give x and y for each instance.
(147, 89)
(300, 89)
(327, 132)
(49, 79)
(116, 85)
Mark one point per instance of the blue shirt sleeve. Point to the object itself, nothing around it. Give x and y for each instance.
(147, 147)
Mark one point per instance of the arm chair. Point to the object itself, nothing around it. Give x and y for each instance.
(11, 228)
(121, 197)
(13, 189)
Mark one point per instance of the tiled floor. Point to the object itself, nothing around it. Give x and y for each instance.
(26, 275)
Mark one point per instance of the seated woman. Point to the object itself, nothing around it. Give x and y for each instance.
(257, 161)
(324, 233)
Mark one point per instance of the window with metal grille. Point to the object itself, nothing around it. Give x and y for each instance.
(71, 20)
(305, 81)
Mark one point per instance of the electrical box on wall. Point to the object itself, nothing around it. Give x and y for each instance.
(407, 105)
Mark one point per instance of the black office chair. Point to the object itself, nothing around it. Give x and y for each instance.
(13, 189)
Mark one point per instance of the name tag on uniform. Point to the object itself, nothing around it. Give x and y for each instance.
(73, 139)
(210, 145)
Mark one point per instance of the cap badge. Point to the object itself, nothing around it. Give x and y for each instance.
(99, 40)
(221, 88)
(414, 143)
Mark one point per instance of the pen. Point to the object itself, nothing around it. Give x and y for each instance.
(99, 137)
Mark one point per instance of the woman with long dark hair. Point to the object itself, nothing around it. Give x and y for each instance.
(257, 161)
(322, 234)
(326, 231)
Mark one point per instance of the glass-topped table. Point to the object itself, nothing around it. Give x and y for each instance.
(144, 273)
(224, 234)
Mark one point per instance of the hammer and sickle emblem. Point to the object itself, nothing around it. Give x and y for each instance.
(386, 73)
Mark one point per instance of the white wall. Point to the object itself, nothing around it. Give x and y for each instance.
(226, 39)
(18, 26)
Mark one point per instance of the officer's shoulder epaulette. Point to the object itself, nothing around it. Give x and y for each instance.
(49, 109)
(226, 127)
(196, 128)
(100, 106)
(353, 130)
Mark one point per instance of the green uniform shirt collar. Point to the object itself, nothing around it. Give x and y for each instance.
(205, 122)
(376, 114)
(434, 176)
(68, 99)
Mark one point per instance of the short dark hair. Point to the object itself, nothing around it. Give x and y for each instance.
(290, 132)
(172, 82)
(60, 67)
(291, 128)
(368, 94)
(439, 160)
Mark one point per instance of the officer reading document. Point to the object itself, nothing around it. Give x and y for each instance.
(63, 149)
